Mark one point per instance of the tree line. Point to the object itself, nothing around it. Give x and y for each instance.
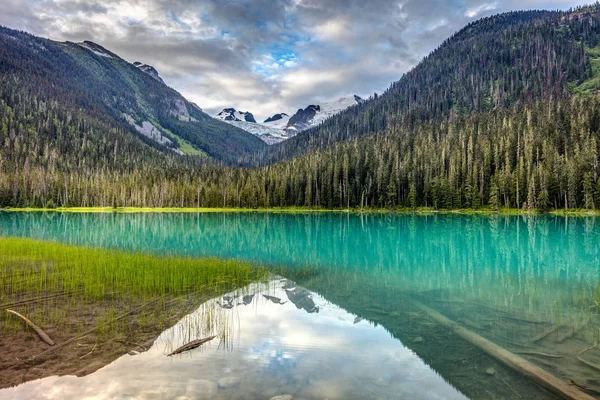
(538, 156)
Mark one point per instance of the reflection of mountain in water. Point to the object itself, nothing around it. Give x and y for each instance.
(247, 299)
(301, 298)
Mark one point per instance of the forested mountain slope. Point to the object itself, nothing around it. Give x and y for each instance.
(40, 75)
(495, 62)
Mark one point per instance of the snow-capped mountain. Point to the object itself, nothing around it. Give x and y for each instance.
(231, 114)
(282, 126)
(150, 70)
(270, 132)
(314, 114)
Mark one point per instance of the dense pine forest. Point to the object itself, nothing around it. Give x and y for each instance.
(503, 114)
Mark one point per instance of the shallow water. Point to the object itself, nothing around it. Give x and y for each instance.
(528, 284)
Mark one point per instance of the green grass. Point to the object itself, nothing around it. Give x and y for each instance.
(184, 145)
(108, 300)
(189, 149)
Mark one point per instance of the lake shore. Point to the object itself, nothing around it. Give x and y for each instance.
(301, 210)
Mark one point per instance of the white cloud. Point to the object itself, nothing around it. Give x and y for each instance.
(475, 11)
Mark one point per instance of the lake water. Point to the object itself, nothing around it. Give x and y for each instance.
(354, 325)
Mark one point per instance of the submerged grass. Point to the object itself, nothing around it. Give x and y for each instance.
(36, 267)
(72, 287)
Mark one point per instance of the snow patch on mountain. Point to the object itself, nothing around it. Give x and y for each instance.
(267, 134)
(96, 49)
(282, 126)
(277, 121)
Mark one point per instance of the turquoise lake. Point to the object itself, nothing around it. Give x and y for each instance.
(353, 325)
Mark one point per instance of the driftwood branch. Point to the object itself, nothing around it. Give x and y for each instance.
(589, 364)
(191, 345)
(537, 353)
(91, 351)
(36, 328)
(545, 333)
(511, 360)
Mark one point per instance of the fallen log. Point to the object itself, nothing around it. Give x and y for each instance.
(36, 328)
(519, 364)
(191, 345)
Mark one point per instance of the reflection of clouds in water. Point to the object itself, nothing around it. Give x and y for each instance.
(273, 359)
(278, 349)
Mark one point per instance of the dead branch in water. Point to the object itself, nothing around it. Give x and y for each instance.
(571, 332)
(583, 387)
(535, 353)
(589, 364)
(545, 333)
(36, 328)
(519, 319)
(38, 299)
(91, 351)
(511, 360)
(191, 345)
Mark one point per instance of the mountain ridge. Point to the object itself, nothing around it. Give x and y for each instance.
(282, 126)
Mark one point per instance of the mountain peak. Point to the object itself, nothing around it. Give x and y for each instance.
(276, 117)
(314, 114)
(231, 114)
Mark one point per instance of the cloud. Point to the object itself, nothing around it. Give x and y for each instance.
(261, 55)
(478, 9)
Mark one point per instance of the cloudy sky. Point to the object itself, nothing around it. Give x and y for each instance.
(263, 56)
